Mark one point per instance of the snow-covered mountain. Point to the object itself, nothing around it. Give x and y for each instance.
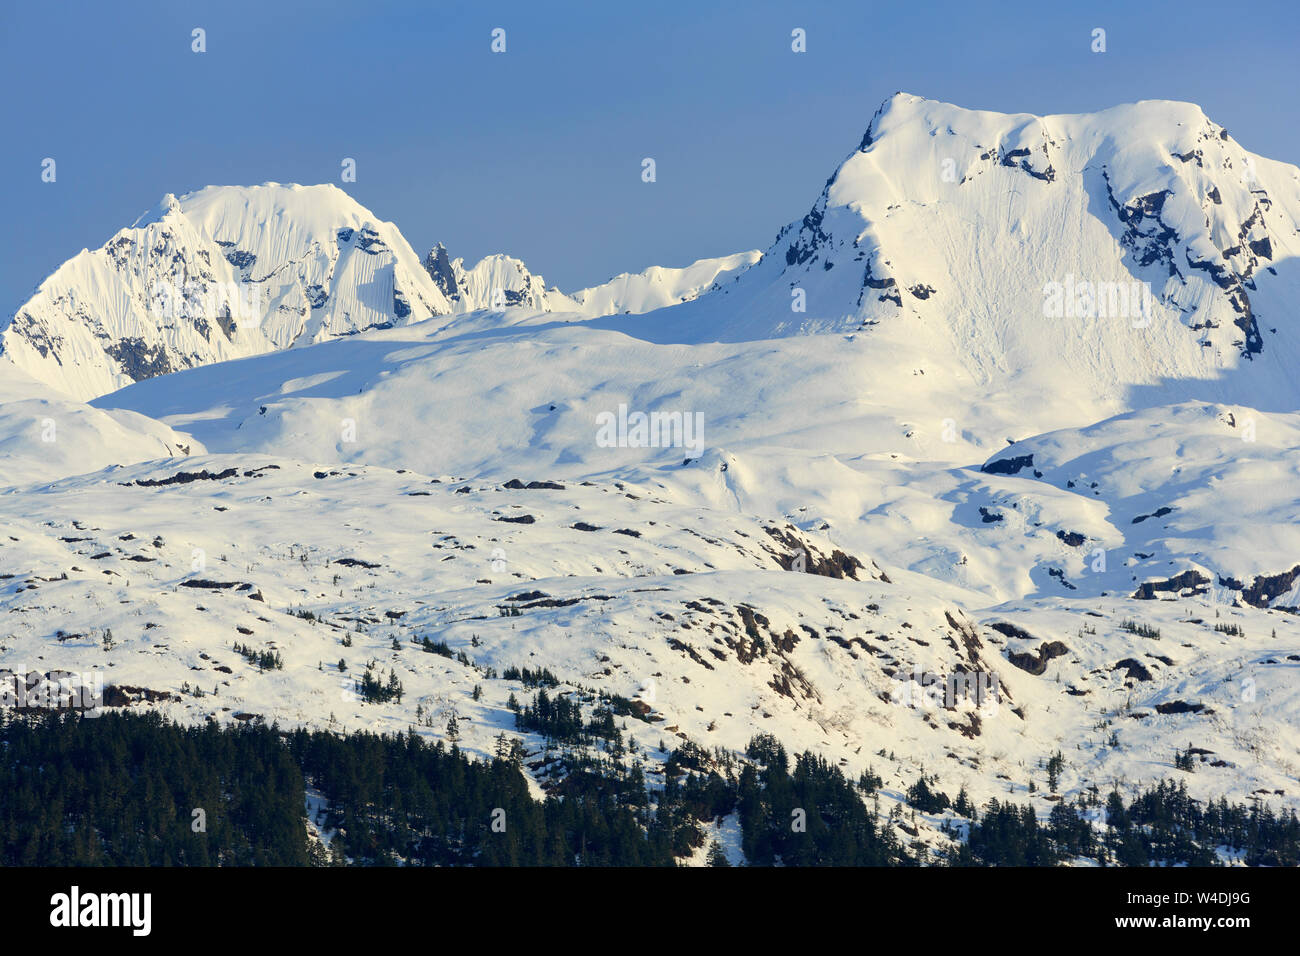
(222, 273)
(1142, 247)
(227, 272)
(1135, 247)
(980, 471)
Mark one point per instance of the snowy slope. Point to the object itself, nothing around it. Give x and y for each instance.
(44, 436)
(947, 499)
(218, 274)
(1205, 493)
(614, 587)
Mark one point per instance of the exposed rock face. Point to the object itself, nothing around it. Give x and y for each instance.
(1036, 663)
(1189, 583)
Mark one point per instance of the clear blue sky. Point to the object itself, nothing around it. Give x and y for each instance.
(537, 152)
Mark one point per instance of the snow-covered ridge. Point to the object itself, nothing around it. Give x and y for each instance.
(662, 286)
(500, 281)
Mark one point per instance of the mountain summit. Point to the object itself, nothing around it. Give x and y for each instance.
(221, 273)
(1136, 244)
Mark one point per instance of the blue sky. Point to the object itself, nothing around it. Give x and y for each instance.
(537, 152)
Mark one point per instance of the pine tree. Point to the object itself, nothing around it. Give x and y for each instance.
(716, 856)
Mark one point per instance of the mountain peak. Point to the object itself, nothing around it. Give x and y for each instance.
(1006, 242)
(495, 282)
(440, 271)
(168, 205)
(219, 273)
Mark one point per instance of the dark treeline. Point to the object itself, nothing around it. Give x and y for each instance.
(812, 817)
(399, 799)
(1162, 826)
(122, 789)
